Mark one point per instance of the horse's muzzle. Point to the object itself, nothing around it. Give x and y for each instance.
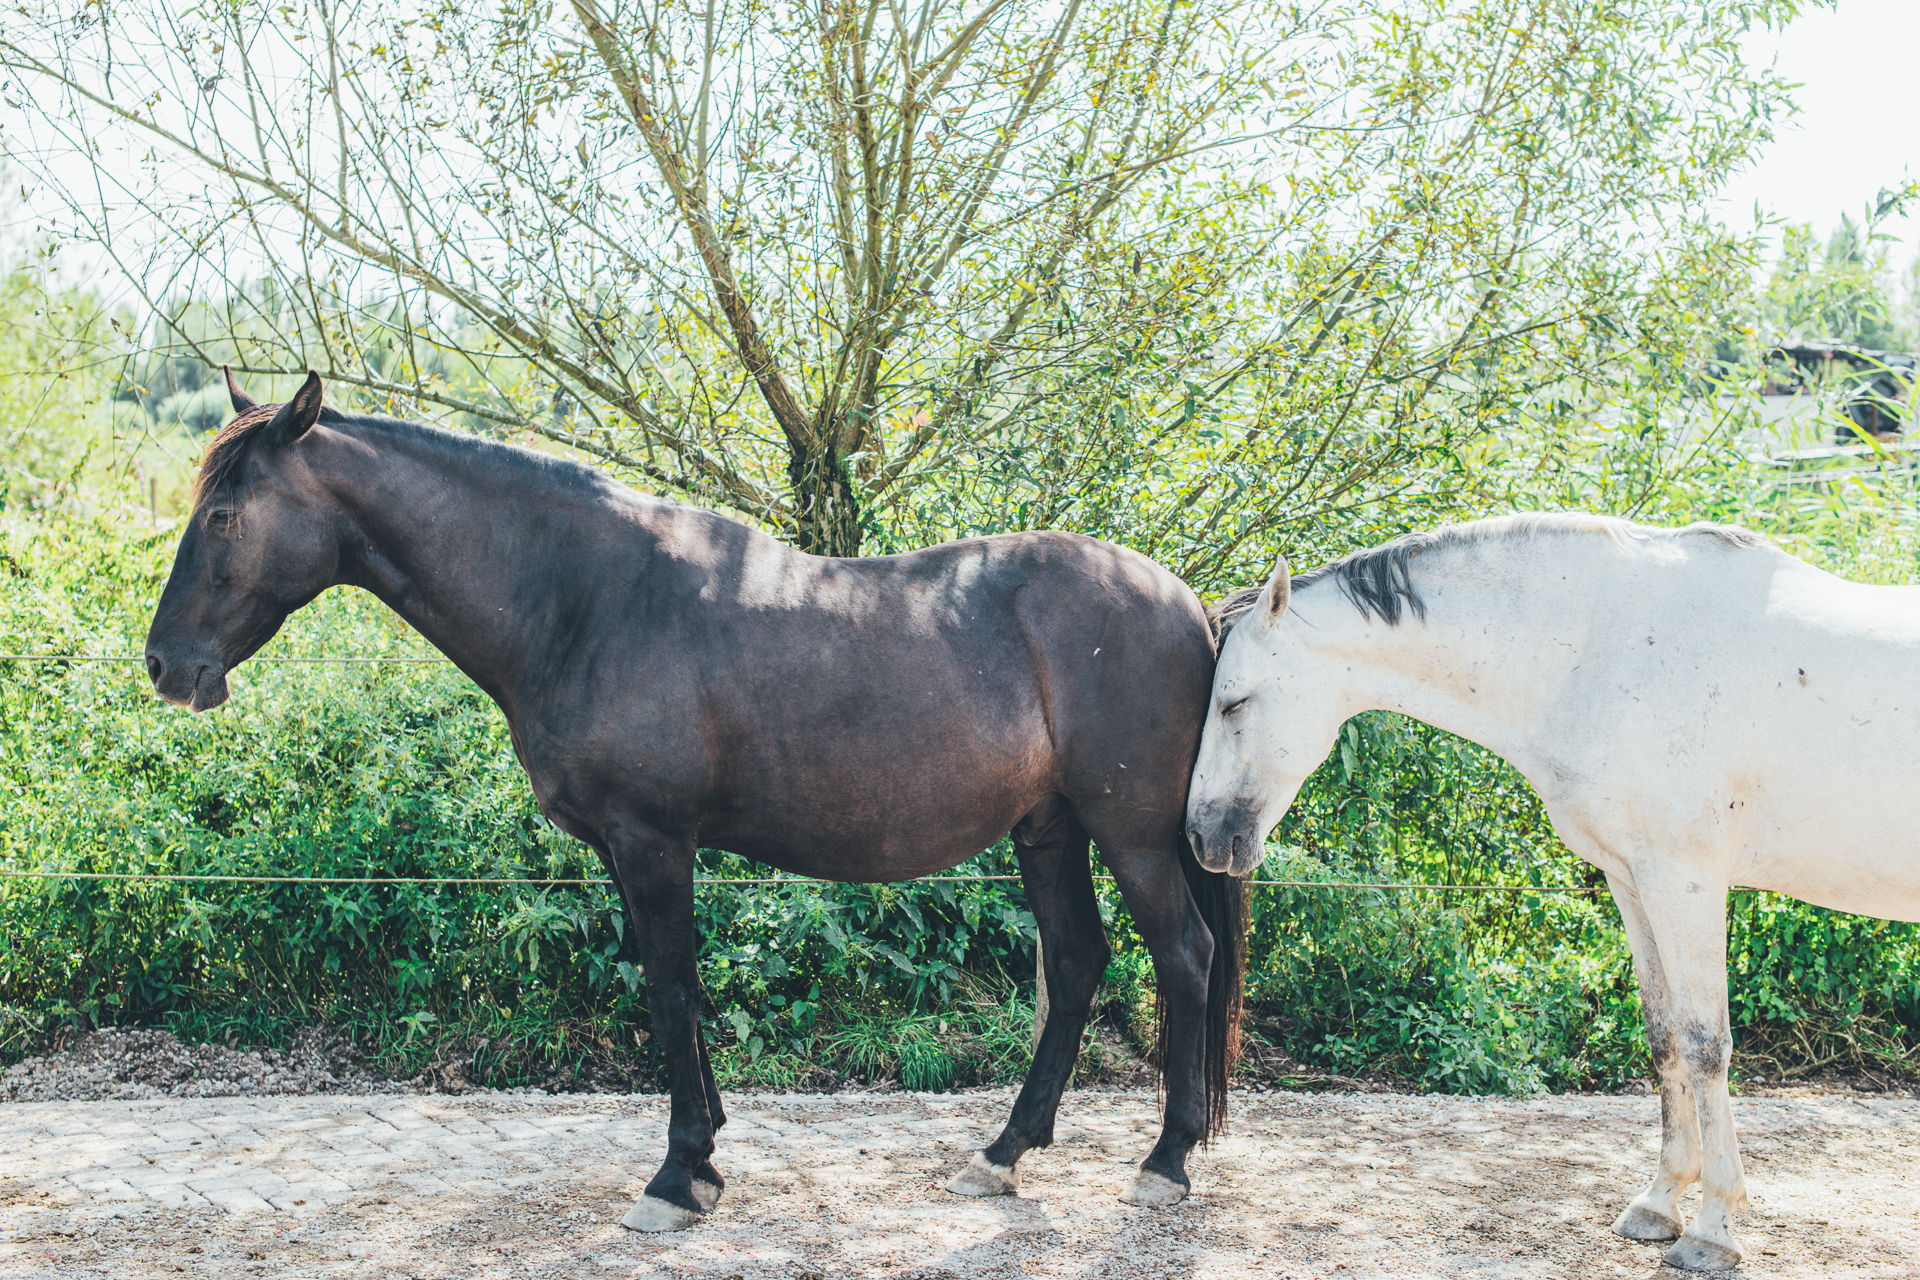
(1233, 844)
(199, 686)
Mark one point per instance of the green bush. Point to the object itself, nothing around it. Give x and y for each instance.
(392, 772)
(1458, 991)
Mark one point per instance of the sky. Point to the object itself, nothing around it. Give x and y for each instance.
(1858, 128)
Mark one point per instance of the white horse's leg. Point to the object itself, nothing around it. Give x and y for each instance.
(1686, 911)
(1654, 1214)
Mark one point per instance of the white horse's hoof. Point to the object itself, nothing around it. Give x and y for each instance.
(706, 1193)
(980, 1178)
(1692, 1253)
(653, 1214)
(1642, 1223)
(1154, 1191)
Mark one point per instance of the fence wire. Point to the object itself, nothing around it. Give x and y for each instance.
(121, 657)
(583, 883)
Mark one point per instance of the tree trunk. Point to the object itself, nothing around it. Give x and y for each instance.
(826, 506)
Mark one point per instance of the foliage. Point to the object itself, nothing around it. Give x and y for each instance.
(1462, 991)
(386, 772)
(389, 772)
(52, 352)
(1185, 274)
(1844, 290)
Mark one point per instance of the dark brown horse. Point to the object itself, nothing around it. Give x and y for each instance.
(674, 679)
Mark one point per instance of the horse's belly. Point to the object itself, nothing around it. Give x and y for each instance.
(1823, 783)
(880, 820)
(855, 846)
(1852, 845)
(879, 861)
(1804, 790)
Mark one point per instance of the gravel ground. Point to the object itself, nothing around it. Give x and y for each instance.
(124, 1064)
(850, 1185)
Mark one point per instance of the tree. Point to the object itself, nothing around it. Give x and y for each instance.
(1845, 290)
(58, 347)
(1180, 272)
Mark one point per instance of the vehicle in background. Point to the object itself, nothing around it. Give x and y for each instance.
(1833, 410)
(1873, 390)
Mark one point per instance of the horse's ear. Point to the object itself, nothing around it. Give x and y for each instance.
(241, 400)
(297, 416)
(1273, 601)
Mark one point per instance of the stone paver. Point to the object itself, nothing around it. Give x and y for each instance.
(1328, 1186)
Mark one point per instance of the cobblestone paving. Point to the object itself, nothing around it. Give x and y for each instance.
(497, 1185)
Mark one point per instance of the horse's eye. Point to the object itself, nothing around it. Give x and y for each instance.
(222, 518)
(1233, 708)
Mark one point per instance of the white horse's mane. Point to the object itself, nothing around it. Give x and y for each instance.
(1379, 579)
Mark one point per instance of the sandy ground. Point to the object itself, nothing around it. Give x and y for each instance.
(850, 1185)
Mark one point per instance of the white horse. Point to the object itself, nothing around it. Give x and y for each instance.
(1697, 708)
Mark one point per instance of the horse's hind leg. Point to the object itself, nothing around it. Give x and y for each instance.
(1654, 1214)
(705, 1172)
(1683, 913)
(1169, 921)
(1059, 885)
(656, 879)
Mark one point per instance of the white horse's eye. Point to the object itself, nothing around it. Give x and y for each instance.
(1230, 708)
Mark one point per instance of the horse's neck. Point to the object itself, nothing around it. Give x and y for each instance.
(1480, 664)
(447, 543)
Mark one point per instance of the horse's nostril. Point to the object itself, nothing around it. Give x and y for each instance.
(1195, 843)
(155, 668)
(1233, 849)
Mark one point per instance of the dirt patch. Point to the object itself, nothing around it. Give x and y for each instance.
(1322, 1186)
(119, 1063)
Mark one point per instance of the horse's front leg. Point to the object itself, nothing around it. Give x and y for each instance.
(1654, 1214)
(1685, 918)
(656, 879)
(1059, 884)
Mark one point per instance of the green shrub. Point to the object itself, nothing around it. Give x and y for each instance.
(392, 772)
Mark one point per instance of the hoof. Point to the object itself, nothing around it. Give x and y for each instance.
(1642, 1223)
(1154, 1191)
(652, 1214)
(707, 1193)
(1694, 1254)
(982, 1179)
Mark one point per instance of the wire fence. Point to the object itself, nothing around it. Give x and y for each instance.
(123, 657)
(582, 883)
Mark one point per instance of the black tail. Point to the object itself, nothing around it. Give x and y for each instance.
(1223, 907)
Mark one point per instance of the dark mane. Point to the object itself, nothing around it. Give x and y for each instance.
(1379, 580)
(230, 447)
